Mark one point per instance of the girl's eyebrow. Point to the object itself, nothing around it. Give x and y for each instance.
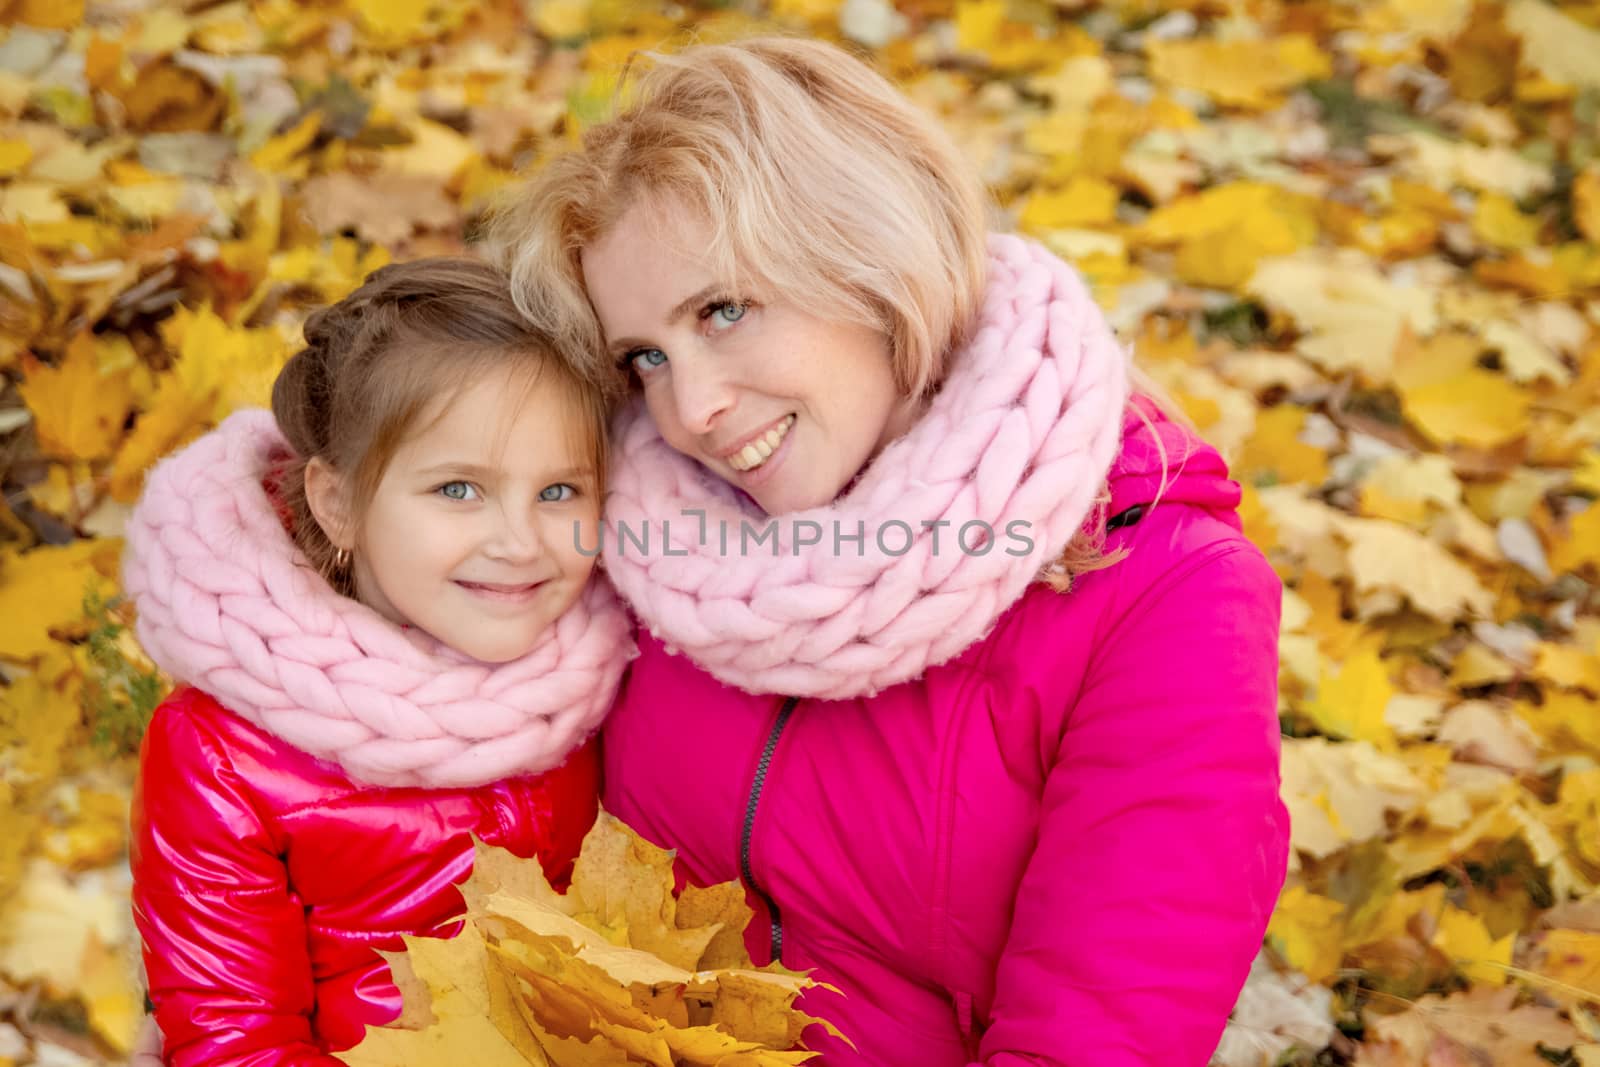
(475, 470)
(679, 310)
(471, 470)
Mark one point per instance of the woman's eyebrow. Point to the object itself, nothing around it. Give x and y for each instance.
(679, 310)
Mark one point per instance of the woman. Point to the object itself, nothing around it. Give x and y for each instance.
(956, 655)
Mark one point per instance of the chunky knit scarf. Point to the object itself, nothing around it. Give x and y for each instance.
(226, 603)
(1023, 430)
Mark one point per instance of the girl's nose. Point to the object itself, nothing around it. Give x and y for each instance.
(516, 537)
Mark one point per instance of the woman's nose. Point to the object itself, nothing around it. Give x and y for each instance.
(701, 393)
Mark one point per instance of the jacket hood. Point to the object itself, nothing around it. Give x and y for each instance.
(1164, 461)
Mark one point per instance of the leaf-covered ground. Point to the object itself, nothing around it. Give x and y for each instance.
(1359, 242)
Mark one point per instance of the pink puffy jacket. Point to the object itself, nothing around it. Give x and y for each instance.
(1060, 848)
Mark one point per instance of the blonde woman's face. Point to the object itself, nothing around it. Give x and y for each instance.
(760, 388)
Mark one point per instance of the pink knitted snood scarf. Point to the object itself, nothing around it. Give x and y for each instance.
(1023, 431)
(226, 603)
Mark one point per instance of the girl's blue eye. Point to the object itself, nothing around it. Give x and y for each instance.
(557, 493)
(645, 359)
(457, 491)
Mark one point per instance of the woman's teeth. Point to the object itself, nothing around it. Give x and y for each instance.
(758, 451)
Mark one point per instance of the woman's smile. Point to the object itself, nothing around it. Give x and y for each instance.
(760, 448)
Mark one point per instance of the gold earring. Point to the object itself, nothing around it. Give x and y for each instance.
(341, 560)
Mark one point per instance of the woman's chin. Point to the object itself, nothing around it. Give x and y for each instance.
(778, 501)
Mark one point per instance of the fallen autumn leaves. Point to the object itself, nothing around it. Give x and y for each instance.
(617, 970)
(1359, 242)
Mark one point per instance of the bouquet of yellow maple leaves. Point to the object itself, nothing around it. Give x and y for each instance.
(618, 970)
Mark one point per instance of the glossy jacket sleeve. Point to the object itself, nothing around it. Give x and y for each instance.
(224, 940)
(1163, 842)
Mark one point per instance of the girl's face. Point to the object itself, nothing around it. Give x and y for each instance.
(771, 396)
(471, 533)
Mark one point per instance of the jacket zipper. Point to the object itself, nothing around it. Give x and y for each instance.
(757, 784)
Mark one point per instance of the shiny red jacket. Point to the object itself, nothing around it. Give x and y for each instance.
(264, 881)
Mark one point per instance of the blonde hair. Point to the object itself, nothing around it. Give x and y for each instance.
(813, 174)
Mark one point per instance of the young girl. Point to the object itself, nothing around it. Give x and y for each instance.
(391, 643)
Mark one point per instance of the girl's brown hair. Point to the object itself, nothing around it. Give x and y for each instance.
(376, 361)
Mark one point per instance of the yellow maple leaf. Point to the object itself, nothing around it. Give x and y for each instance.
(566, 978)
(1570, 666)
(219, 369)
(1083, 201)
(1437, 20)
(33, 203)
(1274, 448)
(50, 14)
(14, 157)
(1524, 357)
(453, 980)
(97, 833)
(395, 21)
(435, 151)
(1243, 73)
(47, 930)
(333, 269)
(1223, 233)
(1586, 476)
(1484, 733)
(1341, 792)
(175, 416)
(1586, 202)
(561, 20)
(1499, 224)
(1477, 408)
(281, 154)
(1463, 937)
(983, 28)
(1308, 930)
(110, 992)
(1257, 520)
(978, 24)
(1565, 720)
(80, 405)
(1571, 957)
(1395, 916)
(43, 589)
(1352, 317)
(1351, 702)
(1402, 487)
(1581, 546)
(1446, 164)
(1477, 665)
(40, 717)
(1558, 47)
(1385, 556)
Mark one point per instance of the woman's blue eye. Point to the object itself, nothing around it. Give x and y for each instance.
(457, 491)
(557, 493)
(727, 313)
(647, 358)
